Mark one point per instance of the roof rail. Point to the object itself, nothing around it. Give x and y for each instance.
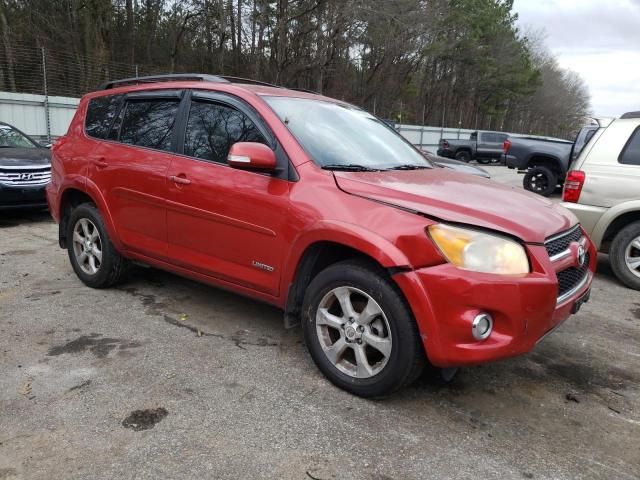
(248, 81)
(631, 115)
(173, 77)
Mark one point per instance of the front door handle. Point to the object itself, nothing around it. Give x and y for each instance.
(179, 179)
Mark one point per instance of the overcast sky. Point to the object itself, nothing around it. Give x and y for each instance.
(599, 39)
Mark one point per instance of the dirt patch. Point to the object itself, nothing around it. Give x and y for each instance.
(144, 419)
(80, 386)
(39, 296)
(94, 343)
(18, 252)
(150, 302)
(584, 375)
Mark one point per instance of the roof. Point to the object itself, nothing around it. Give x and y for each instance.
(208, 82)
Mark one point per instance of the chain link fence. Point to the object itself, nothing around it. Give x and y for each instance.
(29, 69)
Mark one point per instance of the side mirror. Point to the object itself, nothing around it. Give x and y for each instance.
(252, 156)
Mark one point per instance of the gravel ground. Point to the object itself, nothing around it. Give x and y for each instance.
(166, 378)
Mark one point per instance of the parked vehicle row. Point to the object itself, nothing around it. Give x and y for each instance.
(603, 191)
(317, 207)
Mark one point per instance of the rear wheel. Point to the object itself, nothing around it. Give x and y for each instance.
(360, 331)
(540, 180)
(92, 255)
(624, 255)
(463, 156)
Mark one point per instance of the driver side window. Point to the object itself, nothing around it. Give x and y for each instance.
(213, 128)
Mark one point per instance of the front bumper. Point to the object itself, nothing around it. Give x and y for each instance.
(445, 300)
(22, 197)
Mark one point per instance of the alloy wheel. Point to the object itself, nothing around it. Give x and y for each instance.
(354, 332)
(632, 256)
(539, 183)
(87, 246)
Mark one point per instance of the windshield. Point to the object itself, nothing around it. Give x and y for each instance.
(337, 136)
(11, 138)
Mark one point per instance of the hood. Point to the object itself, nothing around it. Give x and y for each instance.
(19, 157)
(459, 198)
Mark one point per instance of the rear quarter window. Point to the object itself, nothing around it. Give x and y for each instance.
(100, 115)
(630, 154)
(149, 123)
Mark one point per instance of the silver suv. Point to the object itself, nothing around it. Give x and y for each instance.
(603, 191)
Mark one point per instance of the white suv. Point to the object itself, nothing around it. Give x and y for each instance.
(603, 191)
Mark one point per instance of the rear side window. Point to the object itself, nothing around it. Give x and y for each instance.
(631, 153)
(149, 123)
(100, 114)
(213, 128)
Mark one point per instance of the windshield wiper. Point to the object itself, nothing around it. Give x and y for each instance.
(409, 166)
(349, 167)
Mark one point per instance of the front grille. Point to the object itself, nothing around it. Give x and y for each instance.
(568, 279)
(560, 243)
(25, 176)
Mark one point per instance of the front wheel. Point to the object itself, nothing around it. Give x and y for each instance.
(625, 255)
(540, 180)
(359, 330)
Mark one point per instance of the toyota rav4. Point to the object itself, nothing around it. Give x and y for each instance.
(319, 208)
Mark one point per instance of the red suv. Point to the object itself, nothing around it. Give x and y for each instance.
(319, 208)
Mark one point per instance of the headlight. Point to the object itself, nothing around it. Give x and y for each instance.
(480, 252)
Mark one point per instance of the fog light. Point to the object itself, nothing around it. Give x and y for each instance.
(482, 326)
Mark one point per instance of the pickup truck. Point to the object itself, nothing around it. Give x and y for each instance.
(544, 162)
(482, 147)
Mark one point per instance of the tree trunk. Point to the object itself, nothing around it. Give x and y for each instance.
(131, 32)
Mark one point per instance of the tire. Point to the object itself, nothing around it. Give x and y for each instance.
(624, 255)
(463, 156)
(107, 267)
(390, 325)
(483, 161)
(540, 180)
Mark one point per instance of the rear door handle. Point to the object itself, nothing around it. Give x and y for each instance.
(179, 180)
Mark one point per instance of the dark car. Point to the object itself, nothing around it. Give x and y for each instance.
(545, 162)
(25, 170)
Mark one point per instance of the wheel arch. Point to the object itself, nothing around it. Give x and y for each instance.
(73, 196)
(319, 249)
(614, 220)
(549, 161)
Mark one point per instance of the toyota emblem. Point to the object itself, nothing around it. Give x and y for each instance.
(582, 254)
